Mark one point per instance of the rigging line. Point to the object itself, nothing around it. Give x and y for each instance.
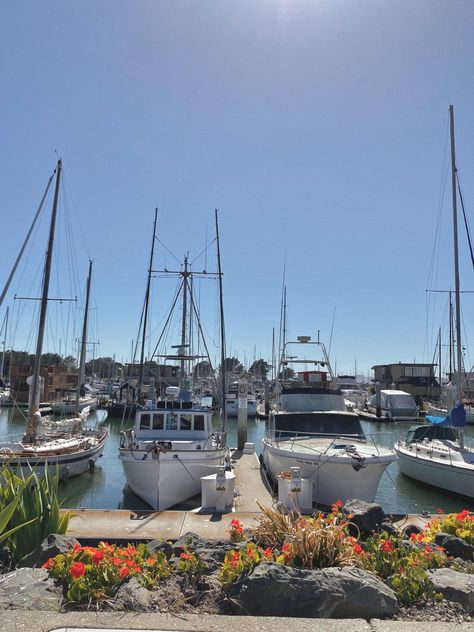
(169, 317)
(66, 189)
(20, 254)
(166, 248)
(465, 218)
(193, 305)
(204, 251)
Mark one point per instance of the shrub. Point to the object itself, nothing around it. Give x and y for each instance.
(93, 574)
(459, 524)
(37, 509)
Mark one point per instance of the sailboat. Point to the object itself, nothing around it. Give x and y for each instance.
(173, 443)
(69, 448)
(435, 453)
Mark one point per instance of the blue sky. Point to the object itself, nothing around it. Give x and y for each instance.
(317, 128)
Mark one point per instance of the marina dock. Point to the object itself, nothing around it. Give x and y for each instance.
(251, 487)
(123, 525)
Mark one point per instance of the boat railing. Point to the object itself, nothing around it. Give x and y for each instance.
(379, 440)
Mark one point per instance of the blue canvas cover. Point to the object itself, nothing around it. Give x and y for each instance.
(457, 417)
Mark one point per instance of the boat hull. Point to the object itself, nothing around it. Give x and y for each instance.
(67, 464)
(166, 479)
(448, 476)
(334, 476)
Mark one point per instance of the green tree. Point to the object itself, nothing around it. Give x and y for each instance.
(259, 369)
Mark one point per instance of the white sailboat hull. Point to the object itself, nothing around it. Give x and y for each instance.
(67, 460)
(453, 476)
(336, 474)
(171, 477)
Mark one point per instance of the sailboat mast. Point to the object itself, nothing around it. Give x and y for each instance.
(456, 258)
(222, 327)
(35, 384)
(184, 320)
(82, 361)
(145, 315)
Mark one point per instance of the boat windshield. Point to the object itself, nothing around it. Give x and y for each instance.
(401, 401)
(319, 423)
(419, 433)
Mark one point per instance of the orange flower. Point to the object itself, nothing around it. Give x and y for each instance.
(268, 553)
(124, 571)
(116, 561)
(285, 547)
(77, 570)
(358, 549)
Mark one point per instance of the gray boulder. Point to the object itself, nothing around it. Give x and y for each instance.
(455, 586)
(50, 547)
(29, 589)
(456, 547)
(368, 517)
(133, 597)
(277, 590)
(212, 552)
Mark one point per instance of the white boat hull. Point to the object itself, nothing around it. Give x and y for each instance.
(68, 408)
(335, 474)
(171, 477)
(67, 463)
(457, 478)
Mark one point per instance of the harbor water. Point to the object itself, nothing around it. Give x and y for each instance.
(106, 487)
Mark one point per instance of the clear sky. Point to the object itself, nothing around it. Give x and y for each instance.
(316, 127)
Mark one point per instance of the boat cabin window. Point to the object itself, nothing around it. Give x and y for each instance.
(145, 422)
(158, 421)
(185, 422)
(172, 421)
(419, 433)
(288, 423)
(198, 422)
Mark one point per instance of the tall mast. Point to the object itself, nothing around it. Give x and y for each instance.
(221, 307)
(456, 259)
(439, 361)
(450, 336)
(82, 360)
(184, 318)
(145, 315)
(35, 383)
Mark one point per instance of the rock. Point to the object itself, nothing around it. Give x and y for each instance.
(454, 546)
(368, 517)
(388, 527)
(50, 547)
(132, 596)
(29, 589)
(277, 590)
(212, 552)
(161, 545)
(455, 586)
(411, 528)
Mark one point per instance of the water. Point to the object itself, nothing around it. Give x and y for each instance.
(107, 488)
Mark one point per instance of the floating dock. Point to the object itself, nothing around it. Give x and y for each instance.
(251, 490)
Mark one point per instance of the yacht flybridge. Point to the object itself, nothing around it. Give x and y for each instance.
(311, 428)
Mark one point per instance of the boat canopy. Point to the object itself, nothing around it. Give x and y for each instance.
(416, 434)
(457, 418)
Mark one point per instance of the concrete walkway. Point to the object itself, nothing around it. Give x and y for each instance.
(87, 621)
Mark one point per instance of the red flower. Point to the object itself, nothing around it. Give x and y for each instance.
(268, 553)
(116, 561)
(387, 545)
(285, 547)
(463, 514)
(358, 549)
(49, 563)
(428, 549)
(97, 556)
(185, 556)
(124, 571)
(77, 570)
